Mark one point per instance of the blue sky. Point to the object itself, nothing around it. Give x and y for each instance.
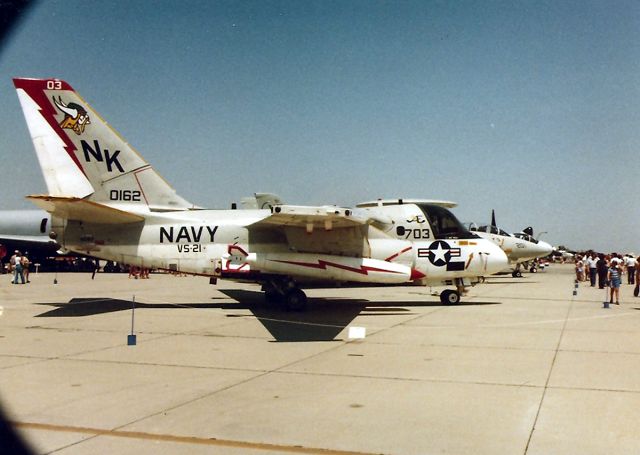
(529, 108)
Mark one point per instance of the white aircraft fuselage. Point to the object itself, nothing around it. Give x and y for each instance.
(232, 244)
(108, 202)
(518, 249)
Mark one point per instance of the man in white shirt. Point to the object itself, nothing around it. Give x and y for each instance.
(630, 262)
(592, 261)
(16, 263)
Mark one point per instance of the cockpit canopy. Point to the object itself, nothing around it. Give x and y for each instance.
(527, 237)
(444, 224)
(492, 230)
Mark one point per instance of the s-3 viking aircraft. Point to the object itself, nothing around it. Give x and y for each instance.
(107, 201)
(519, 247)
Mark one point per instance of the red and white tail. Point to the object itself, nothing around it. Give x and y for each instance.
(83, 158)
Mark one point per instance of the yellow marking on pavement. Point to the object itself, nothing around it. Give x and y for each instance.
(183, 439)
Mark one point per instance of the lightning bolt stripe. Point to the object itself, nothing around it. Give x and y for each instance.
(35, 88)
(392, 257)
(322, 265)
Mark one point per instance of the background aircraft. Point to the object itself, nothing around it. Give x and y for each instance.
(108, 202)
(28, 232)
(562, 254)
(519, 247)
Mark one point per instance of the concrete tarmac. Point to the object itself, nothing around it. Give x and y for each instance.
(522, 366)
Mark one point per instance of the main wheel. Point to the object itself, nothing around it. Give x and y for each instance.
(273, 296)
(533, 270)
(449, 297)
(296, 300)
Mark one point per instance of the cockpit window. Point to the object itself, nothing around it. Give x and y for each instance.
(527, 237)
(444, 224)
(492, 230)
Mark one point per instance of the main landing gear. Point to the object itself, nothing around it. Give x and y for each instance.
(285, 292)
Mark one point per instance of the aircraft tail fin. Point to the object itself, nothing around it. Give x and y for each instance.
(81, 156)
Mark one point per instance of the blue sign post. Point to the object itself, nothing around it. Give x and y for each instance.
(131, 338)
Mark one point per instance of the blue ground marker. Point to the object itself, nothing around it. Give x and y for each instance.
(131, 338)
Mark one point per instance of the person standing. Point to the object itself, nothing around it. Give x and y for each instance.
(592, 261)
(601, 268)
(25, 267)
(579, 268)
(630, 262)
(636, 290)
(614, 281)
(16, 260)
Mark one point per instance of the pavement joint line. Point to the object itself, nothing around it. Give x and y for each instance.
(391, 378)
(34, 361)
(450, 381)
(159, 334)
(152, 364)
(183, 439)
(553, 321)
(595, 389)
(546, 385)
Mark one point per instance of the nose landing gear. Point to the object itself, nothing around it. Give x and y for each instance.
(450, 297)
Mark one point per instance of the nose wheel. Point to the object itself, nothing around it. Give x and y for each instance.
(450, 297)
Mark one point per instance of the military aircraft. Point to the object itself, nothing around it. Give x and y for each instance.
(27, 231)
(108, 202)
(520, 247)
(562, 254)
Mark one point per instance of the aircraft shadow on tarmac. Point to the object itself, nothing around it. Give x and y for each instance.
(323, 321)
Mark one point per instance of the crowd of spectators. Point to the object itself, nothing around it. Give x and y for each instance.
(609, 270)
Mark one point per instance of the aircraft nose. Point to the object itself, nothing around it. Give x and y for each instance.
(545, 249)
(496, 258)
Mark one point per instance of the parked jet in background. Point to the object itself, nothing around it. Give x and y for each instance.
(108, 202)
(563, 255)
(519, 247)
(27, 231)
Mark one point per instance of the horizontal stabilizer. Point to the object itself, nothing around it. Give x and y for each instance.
(78, 209)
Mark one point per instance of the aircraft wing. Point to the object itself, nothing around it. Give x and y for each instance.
(74, 208)
(322, 230)
(311, 218)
